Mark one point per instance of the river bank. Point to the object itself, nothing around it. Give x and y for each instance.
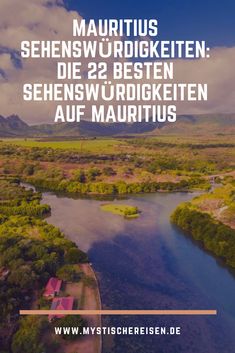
(86, 293)
(117, 188)
(89, 299)
(148, 263)
(209, 219)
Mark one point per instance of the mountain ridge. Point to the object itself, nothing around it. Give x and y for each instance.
(14, 126)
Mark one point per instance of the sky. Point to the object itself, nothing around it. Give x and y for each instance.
(212, 20)
(208, 20)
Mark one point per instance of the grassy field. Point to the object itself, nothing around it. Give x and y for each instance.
(107, 146)
(121, 210)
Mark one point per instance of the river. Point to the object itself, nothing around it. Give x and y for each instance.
(147, 263)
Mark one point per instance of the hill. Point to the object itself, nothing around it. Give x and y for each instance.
(14, 126)
(87, 128)
(201, 125)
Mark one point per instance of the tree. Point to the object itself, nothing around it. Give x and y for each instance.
(74, 256)
(71, 321)
(68, 273)
(27, 338)
(23, 277)
(10, 254)
(79, 176)
(92, 173)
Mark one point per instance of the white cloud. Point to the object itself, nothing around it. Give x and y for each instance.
(49, 20)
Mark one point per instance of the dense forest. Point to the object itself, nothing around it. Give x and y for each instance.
(31, 251)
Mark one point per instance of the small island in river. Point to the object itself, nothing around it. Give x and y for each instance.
(126, 211)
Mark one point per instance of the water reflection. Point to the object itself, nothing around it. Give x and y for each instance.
(146, 263)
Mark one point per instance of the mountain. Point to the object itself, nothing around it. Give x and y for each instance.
(200, 125)
(87, 128)
(13, 126)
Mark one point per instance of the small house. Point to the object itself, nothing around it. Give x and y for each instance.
(63, 303)
(53, 287)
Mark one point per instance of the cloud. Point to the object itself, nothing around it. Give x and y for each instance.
(50, 20)
(218, 73)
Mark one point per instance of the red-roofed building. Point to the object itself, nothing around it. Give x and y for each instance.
(53, 287)
(64, 303)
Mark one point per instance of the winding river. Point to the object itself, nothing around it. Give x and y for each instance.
(147, 263)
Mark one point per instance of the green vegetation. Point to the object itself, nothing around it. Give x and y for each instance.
(119, 187)
(31, 251)
(16, 201)
(71, 321)
(83, 145)
(201, 218)
(28, 338)
(119, 166)
(69, 273)
(122, 210)
(75, 256)
(220, 203)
